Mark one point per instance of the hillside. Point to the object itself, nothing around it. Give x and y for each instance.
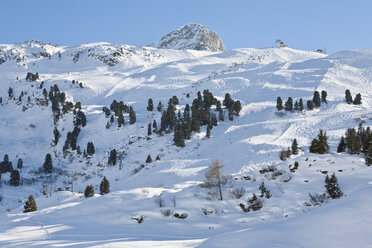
(245, 145)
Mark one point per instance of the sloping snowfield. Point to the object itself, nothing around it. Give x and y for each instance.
(245, 145)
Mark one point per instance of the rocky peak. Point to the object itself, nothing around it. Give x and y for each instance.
(194, 37)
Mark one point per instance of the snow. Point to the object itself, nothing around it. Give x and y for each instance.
(252, 141)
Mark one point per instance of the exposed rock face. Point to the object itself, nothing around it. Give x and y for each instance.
(194, 37)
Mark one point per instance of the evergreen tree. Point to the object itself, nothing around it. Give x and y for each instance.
(157, 158)
(262, 189)
(90, 149)
(316, 99)
(231, 114)
(149, 159)
(10, 92)
(301, 105)
(348, 97)
(342, 145)
(121, 120)
(332, 188)
(314, 147)
(30, 205)
(132, 116)
(104, 187)
(227, 102)
(310, 105)
(56, 135)
(237, 107)
(14, 178)
(295, 107)
(160, 107)
(20, 164)
(150, 105)
(89, 191)
(279, 103)
(112, 158)
(368, 156)
(324, 96)
(112, 119)
(358, 99)
(48, 165)
(294, 147)
(221, 115)
(283, 155)
(320, 145)
(289, 104)
(208, 135)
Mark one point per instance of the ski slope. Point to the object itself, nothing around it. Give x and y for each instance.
(245, 145)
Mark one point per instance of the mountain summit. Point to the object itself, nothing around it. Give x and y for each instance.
(194, 37)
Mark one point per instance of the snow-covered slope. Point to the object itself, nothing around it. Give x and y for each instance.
(245, 145)
(192, 36)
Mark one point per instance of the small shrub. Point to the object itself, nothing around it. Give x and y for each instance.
(270, 168)
(317, 200)
(180, 216)
(207, 211)
(166, 212)
(237, 193)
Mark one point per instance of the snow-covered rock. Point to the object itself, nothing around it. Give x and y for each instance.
(192, 36)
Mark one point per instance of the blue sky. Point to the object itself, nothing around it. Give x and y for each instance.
(331, 24)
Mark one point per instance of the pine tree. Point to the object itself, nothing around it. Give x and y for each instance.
(323, 142)
(324, 96)
(112, 157)
(237, 107)
(48, 165)
(20, 164)
(132, 116)
(295, 107)
(104, 187)
(342, 145)
(283, 155)
(314, 147)
(262, 189)
(149, 159)
(154, 125)
(90, 149)
(279, 103)
(358, 99)
(294, 147)
(368, 156)
(160, 107)
(121, 120)
(89, 191)
(231, 114)
(150, 105)
(208, 135)
(30, 205)
(301, 105)
(348, 97)
(332, 188)
(310, 105)
(316, 99)
(221, 115)
(289, 104)
(56, 135)
(14, 178)
(157, 158)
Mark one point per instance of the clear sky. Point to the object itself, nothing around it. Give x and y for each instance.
(302, 24)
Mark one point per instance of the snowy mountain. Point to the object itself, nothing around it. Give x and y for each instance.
(194, 37)
(248, 144)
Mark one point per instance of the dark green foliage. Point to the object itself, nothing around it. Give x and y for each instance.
(237, 107)
(221, 115)
(10, 92)
(154, 125)
(288, 152)
(353, 141)
(228, 102)
(48, 165)
(80, 119)
(179, 136)
(121, 120)
(56, 136)
(231, 114)
(160, 107)
(90, 149)
(295, 106)
(316, 99)
(300, 105)
(112, 119)
(150, 105)
(283, 155)
(289, 104)
(30, 205)
(342, 145)
(89, 191)
(20, 164)
(368, 156)
(264, 192)
(132, 116)
(148, 159)
(6, 165)
(358, 99)
(348, 97)
(157, 158)
(106, 111)
(320, 145)
(208, 135)
(112, 158)
(14, 178)
(104, 187)
(332, 188)
(279, 103)
(310, 105)
(294, 147)
(324, 96)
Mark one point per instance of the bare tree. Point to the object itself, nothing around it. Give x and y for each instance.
(214, 177)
